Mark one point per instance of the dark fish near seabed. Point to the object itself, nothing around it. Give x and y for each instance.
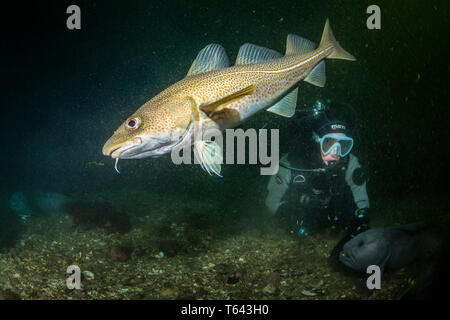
(391, 247)
(27, 204)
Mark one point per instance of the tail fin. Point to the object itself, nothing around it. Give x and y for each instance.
(338, 51)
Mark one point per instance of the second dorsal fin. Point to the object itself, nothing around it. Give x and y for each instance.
(250, 53)
(211, 57)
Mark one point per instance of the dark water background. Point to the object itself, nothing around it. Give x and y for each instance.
(64, 92)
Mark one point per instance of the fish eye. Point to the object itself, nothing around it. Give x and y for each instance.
(132, 123)
(360, 244)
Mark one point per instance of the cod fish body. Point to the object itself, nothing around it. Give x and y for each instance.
(217, 95)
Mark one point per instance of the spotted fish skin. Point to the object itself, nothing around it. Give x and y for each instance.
(222, 96)
(271, 81)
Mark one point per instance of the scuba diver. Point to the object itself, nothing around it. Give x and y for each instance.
(320, 183)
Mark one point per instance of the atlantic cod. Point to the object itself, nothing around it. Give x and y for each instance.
(216, 95)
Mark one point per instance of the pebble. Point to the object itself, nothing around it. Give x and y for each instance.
(209, 266)
(308, 293)
(155, 272)
(88, 275)
(269, 289)
(168, 292)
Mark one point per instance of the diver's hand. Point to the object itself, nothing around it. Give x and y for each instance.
(360, 223)
(362, 213)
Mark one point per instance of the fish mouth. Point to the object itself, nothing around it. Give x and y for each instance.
(119, 150)
(143, 147)
(138, 150)
(347, 257)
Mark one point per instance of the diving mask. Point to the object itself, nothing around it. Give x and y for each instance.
(336, 143)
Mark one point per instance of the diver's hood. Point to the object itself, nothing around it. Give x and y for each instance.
(332, 126)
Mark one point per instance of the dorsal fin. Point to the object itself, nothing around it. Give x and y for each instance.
(250, 53)
(211, 57)
(297, 44)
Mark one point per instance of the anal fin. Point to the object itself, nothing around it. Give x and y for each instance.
(286, 106)
(317, 75)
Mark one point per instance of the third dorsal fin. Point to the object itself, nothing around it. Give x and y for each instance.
(250, 53)
(211, 57)
(297, 44)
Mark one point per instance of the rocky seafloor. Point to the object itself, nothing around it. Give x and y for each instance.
(187, 252)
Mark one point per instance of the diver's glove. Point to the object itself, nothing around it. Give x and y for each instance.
(360, 223)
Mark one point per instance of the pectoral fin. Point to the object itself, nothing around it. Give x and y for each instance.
(225, 116)
(217, 112)
(209, 154)
(218, 105)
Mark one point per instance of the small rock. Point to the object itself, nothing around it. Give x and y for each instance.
(269, 289)
(119, 253)
(9, 295)
(169, 292)
(234, 277)
(88, 275)
(273, 279)
(308, 293)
